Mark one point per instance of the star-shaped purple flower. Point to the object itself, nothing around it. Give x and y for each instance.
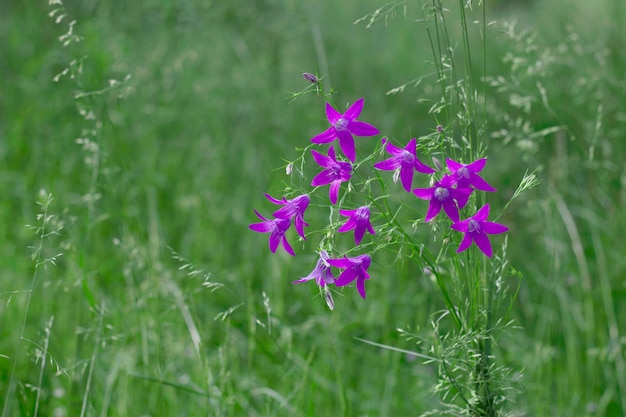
(442, 194)
(292, 209)
(467, 175)
(359, 220)
(335, 173)
(277, 228)
(354, 269)
(344, 126)
(321, 273)
(404, 159)
(476, 229)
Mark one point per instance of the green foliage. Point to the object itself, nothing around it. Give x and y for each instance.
(154, 125)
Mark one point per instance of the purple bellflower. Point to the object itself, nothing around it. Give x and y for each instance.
(442, 194)
(343, 126)
(476, 229)
(335, 173)
(292, 209)
(405, 160)
(467, 175)
(354, 269)
(321, 273)
(359, 220)
(277, 228)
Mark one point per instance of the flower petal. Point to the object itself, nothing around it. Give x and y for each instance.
(347, 226)
(424, 193)
(326, 136)
(493, 228)
(477, 165)
(360, 285)
(422, 167)
(327, 276)
(331, 154)
(362, 129)
(480, 184)
(321, 159)
(331, 114)
(359, 232)
(346, 143)
(287, 246)
(264, 227)
(451, 210)
(286, 212)
(299, 223)
(274, 241)
(333, 191)
(406, 177)
(433, 210)
(323, 178)
(465, 243)
(354, 111)
(411, 146)
(461, 195)
(460, 226)
(482, 241)
(482, 213)
(393, 149)
(453, 166)
(346, 277)
(260, 216)
(390, 164)
(346, 213)
(274, 200)
(340, 262)
(313, 275)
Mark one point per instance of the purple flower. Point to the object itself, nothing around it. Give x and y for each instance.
(344, 126)
(292, 209)
(404, 159)
(321, 273)
(441, 194)
(476, 229)
(335, 173)
(277, 228)
(359, 220)
(354, 269)
(467, 175)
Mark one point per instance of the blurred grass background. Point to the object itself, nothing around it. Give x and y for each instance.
(192, 133)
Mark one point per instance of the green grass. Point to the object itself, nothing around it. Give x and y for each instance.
(131, 320)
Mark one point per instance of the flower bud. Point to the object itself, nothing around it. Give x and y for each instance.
(310, 77)
(329, 299)
(437, 163)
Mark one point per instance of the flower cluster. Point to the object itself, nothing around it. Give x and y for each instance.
(450, 191)
(335, 171)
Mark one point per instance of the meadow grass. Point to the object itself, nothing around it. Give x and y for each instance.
(168, 122)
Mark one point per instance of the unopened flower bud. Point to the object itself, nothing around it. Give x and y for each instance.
(310, 77)
(329, 299)
(289, 169)
(437, 163)
(439, 129)
(396, 176)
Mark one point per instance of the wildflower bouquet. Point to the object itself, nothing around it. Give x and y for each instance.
(459, 257)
